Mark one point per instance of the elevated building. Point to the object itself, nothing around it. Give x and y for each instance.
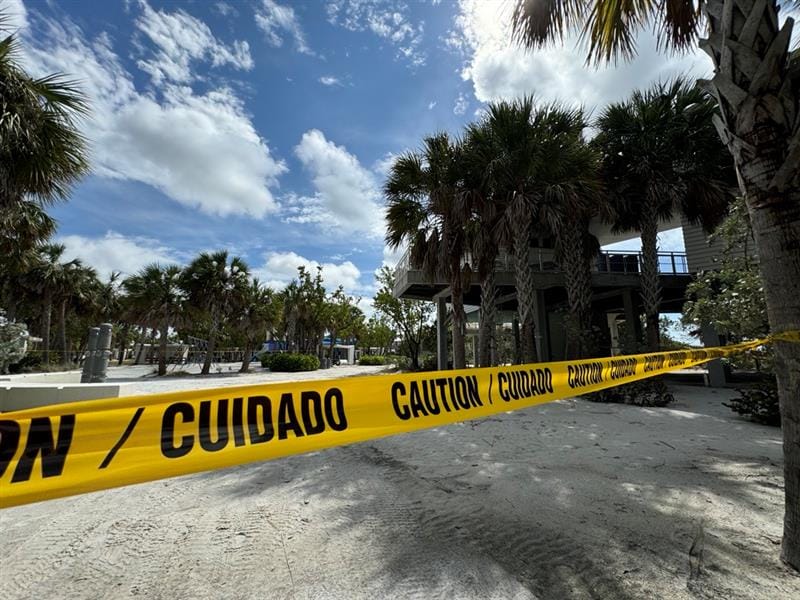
(616, 282)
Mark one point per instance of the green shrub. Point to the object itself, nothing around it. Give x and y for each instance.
(759, 403)
(372, 360)
(429, 363)
(401, 362)
(647, 392)
(266, 359)
(289, 362)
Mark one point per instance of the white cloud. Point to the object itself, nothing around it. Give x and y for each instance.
(383, 165)
(392, 257)
(16, 14)
(116, 252)
(179, 39)
(281, 267)
(225, 9)
(499, 69)
(202, 150)
(669, 240)
(347, 194)
(460, 106)
(276, 20)
(431, 105)
(387, 19)
(329, 80)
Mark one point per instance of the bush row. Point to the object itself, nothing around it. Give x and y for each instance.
(647, 392)
(372, 360)
(289, 362)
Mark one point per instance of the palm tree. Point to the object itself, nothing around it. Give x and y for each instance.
(757, 87)
(43, 152)
(661, 156)
(45, 277)
(155, 295)
(77, 284)
(22, 226)
(211, 283)
(483, 231)
(539, 163)
(577, 195)
(257, 312)
(428, 210)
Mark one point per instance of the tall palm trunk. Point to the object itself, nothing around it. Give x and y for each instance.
(759, 97)
(459, 317)
(47, 311)
(248, 351)
(212, 344)
(578, 280)
(62, 332)
(123, 341)
(486, 335)
(651, 288)
(526, 290)
(162, 346)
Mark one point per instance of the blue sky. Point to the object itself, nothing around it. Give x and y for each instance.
(266, 126)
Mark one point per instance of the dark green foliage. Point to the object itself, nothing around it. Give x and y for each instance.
(647, 392)
(372, 360)
(289, 362)
(401, 362)
(759, 403)
(429, 363)
(28, 364)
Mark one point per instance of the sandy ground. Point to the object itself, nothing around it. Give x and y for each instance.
(567, 500)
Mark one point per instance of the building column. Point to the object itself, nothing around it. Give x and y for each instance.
(716, 371)
(441, 333)
(542, 332)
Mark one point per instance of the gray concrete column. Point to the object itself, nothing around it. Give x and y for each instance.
(716, 371)
(88, 361)
(102, 354)
(441, 333)
(542, 330)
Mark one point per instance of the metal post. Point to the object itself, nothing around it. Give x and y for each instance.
(91, 346)
(102, 354)
(441, 333)
(716, 371)
(672, 258)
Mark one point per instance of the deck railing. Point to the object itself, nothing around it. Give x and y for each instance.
(543, 259)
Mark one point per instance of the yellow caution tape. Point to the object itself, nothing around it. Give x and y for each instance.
(67, 449)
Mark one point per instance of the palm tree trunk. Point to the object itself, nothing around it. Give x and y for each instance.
(212, 343)
(578, 280)
(47, 311)
(123, 341)
(62, 332)
(486, 341)
(162, 347)
(459, 317)
(758, 91)
(248, 351)
(777, 233)
(333, 342)
(651, 289)
(526, 288)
